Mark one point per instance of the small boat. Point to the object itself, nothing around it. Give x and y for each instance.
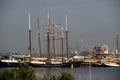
(111, 64)
(14, 61)
(9, 63)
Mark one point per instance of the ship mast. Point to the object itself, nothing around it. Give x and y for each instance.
(53, 38)
(62, 38)
(29, 48)
(67, 38)
(48, 38)
(117, 44)
(39, 42)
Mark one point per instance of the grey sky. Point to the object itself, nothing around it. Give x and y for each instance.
(97, 21)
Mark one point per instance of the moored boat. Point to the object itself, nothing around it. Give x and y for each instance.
(9, 63)
(54, 63)
(14, 60)
(111, 64)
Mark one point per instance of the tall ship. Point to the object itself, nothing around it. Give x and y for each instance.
(53, 61)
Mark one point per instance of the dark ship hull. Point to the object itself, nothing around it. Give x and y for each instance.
(9, 64)
(67, 64)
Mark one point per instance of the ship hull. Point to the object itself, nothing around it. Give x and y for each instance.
(8, 64)
(67, 64)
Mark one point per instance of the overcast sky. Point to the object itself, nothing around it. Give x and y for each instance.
(91, 22)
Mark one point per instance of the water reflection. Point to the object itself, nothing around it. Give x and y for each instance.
(49, 73)
(82, 73)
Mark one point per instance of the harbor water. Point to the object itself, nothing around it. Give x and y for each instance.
(83, 73)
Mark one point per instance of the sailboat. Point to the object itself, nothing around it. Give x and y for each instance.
(54, 61)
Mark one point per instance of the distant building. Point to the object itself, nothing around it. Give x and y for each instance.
(102, 49)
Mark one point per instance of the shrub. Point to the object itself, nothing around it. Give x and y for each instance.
(21, 73)
(24, 72)
(66, 76)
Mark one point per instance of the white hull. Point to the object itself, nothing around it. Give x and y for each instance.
(111, 64)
